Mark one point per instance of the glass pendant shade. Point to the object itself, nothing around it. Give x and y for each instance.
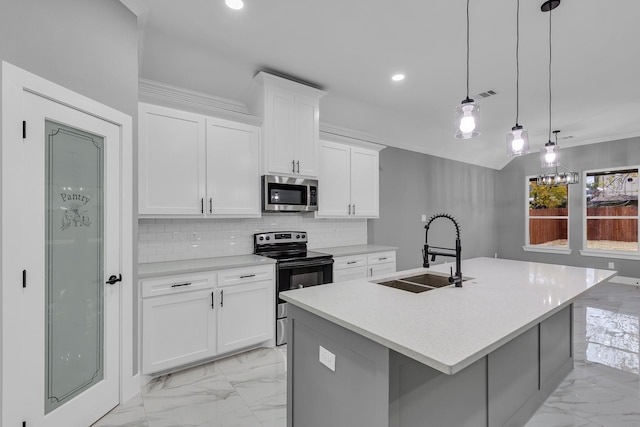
(517, 141)
(549, 155)
(467, 114)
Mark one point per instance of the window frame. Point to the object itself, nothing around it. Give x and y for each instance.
(603, 253)
(528, 247)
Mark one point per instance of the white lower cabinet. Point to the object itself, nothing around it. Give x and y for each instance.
(362, 266)
(178, 323)
(189, 318)
(246, 315)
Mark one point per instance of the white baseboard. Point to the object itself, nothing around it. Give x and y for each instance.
(625, 280)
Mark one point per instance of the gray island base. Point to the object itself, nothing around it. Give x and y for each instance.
(375, 386)
(488, 354)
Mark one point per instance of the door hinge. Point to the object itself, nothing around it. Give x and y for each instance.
(24, 278)
(24, 129)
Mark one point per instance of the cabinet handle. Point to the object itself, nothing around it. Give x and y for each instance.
(246, 276)
(293, 166)
(177, 285)
(351, 262)
(222, 298)
(370, 271)
(298, 163)
(382, 258)
(212, 304)
(354, 208)
(210, 204)
(349, 208)
(202, 205)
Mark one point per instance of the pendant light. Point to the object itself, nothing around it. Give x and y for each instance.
(518, 138)
(556, 178)
(467, 112)
(550, 153)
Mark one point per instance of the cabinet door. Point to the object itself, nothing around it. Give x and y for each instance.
(279, 131)
(233, 169)
(364, 183)
(177, 329)
(333, 180)
(245, 315)
(381, 269)
(171, 161)
(306, 135)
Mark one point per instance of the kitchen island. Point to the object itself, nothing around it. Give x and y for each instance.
(486, 354)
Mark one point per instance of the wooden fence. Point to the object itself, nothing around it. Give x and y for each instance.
(619, 230)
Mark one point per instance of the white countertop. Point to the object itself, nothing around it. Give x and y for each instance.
(154, 269)
(450, 328)
(355, 250)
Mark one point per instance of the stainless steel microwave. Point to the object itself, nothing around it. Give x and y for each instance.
(289, 194)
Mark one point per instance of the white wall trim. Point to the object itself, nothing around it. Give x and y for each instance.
(625, 280)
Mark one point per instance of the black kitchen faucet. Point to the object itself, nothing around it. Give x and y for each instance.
(454, 278)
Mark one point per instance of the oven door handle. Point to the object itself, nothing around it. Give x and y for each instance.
(298, 264)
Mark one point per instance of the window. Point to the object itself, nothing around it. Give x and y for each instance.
(547, 218)
(611, 213)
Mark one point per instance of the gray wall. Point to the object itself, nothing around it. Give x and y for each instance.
(90, 47)
(412, 184)
(511, 194)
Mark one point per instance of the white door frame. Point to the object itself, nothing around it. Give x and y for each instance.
(14, 82)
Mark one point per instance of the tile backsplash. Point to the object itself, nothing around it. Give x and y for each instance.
(176, 239)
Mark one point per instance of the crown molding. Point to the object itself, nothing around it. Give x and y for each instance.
(351, 137)
(172, 96)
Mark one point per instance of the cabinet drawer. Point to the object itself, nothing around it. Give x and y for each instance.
(381, 258)
(176, 284)
(237, 276)
(343, 262)
(350, 274)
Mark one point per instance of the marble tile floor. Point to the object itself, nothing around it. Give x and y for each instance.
(250, 389)
(246, 390)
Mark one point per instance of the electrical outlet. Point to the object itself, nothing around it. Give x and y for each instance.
(611, 266)
(423, 218)
(327, 358)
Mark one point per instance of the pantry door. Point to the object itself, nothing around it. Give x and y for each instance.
(62, 367)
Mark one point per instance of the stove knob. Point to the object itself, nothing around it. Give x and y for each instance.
(297, 236)
(268, 238)
(304, 235)
(261, 238)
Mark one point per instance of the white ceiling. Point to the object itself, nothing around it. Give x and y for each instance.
(351, 48)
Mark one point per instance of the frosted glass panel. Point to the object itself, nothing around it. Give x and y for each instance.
(74, 263)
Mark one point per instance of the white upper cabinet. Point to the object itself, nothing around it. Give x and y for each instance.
(233, 168)
(171, 161)
(194, 165)
(348, 181)
(291, 125)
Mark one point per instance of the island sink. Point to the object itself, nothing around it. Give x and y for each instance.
(419, 283)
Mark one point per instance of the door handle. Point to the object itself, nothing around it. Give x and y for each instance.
(113, 279)
(212, 304)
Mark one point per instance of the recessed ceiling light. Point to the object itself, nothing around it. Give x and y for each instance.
(234, 4)
(397, 77)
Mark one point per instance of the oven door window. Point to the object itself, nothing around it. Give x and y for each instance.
(303, 277)
(287, 194)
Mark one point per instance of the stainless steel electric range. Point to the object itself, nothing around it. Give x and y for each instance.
(296, 268)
